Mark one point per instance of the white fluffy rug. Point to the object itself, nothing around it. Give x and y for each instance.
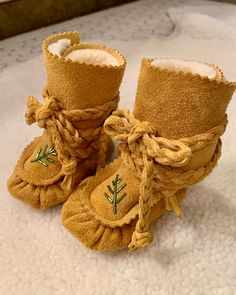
(192, 255)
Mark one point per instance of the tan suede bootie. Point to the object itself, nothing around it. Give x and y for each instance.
(82, 89)
(170, 142)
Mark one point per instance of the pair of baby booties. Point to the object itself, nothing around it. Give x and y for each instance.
(170, 141)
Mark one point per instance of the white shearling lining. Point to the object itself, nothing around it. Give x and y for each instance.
(88, 55)
(59, 47)
(185, 66)
(93, 56)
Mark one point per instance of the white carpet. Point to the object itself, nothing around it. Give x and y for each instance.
(192, 255)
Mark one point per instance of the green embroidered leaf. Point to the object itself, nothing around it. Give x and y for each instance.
(42, 155)
(110, 189)
(115, 191)
(108, 197)
(121, 197)
(121, 188)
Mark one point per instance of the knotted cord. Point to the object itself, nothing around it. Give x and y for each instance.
(153, 158)
(72, 143)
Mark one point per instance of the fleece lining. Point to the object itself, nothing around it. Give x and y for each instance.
(93, 56)
(59, 46)
(193, 67)
(88, 55)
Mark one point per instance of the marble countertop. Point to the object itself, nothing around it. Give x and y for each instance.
(133, 21)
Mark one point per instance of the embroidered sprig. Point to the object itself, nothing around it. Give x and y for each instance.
(42, 155)
(115, 191)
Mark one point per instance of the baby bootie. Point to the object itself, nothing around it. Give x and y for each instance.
(171, 141)
(82, 89)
